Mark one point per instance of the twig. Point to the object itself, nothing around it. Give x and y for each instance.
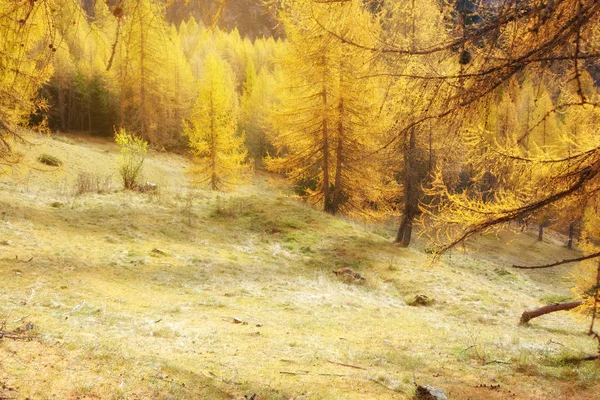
(346, 365)
(468, 348)
(21, 319)
(77, 307)
(332, 375)
(496, 362)
(294, 373)
(223, 379)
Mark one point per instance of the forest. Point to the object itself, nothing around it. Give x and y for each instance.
(299, 199)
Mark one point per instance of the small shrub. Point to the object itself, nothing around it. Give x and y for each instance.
(88, 182)
(50, 160)
(133, 152)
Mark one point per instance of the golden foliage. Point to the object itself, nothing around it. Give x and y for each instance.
(220, 156)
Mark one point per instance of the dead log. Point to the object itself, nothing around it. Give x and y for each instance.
(531, 314)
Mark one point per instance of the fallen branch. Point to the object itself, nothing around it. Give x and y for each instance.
(538, 312)
(308, 373)
(294, 373)
(21, 319)
(10, 335)
(581, 359)
(18, 334)
(346, 365)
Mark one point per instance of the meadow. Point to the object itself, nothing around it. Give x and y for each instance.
(184, 293)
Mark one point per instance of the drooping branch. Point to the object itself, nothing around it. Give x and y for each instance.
(585, 175)
(562, 262)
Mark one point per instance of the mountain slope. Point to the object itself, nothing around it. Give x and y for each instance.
(191, 294)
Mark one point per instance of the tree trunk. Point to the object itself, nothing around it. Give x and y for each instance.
(538, 312)
(325, 138)
(411, 192)
(337, 190)
(405, 231)
(143, 132)
(61, 105)
(571, 234)
(541, 232)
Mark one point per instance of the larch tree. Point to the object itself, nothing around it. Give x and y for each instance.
(255, 103)
(219, 152)
(155, 80)
(415, 25)
(28, 42)
(328, 121)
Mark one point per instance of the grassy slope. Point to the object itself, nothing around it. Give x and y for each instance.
(115, 319)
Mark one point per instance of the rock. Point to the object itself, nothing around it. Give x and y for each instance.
(428, 392)
(49, 160)
(348, 275)
(420, 300)
(158, 252)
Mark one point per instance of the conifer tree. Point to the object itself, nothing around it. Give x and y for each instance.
(26, 45)
(219, 153)
(155, 79)
(329, 121)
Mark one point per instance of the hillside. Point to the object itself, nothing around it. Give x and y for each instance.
(186, 294)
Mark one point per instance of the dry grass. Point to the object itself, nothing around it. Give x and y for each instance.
(115, 318)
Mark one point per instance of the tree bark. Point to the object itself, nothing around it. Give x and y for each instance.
(571, 234)
(411, 192)
(541, 232)
(337, 190)
(538, 312)
(325, 138)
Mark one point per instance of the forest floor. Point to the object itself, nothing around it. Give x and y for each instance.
(189, 294)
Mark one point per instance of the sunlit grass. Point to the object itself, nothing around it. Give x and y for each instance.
(131, 297)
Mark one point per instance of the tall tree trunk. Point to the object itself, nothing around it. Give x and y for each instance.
(213, 145)
(541, 232)
(411, 192)
(337, 191)
(571, 235)
(70, 110)
(142, 85)
(325, 138)
(61, 105)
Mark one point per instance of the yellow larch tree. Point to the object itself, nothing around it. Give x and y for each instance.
(155, 80)
(329, 122)
(26, 45)
(219, 153)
